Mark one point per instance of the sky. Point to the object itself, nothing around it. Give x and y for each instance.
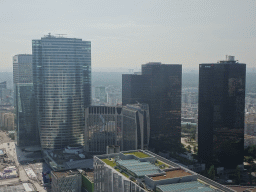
(126, 33)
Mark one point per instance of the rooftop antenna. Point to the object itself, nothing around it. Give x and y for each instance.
(61, 35)
(226, 57)
(49, 35)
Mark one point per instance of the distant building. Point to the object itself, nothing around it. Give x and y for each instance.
(8, 121)
(62, 82)
(249, 140)
(5, 94)
(250, 124)
(160, 87)
(100, 94)
(25, 106)
(70, 180)
(221, 112)
(22, 68)
(114, 95)
(3, 86)
(125, 126)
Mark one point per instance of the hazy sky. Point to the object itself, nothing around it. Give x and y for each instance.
(127, 33)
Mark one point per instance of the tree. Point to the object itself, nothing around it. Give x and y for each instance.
(211, 172)
(250, 175)
(238, 175)
(189, 148)
(250, 159)
(252, 151)
(195, 149)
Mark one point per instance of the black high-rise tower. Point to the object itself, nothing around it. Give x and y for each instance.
(160, 87)
(221, 112)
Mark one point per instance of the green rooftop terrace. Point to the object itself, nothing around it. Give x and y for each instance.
(109, 162)
(161, 165)
(138, 154)
(112, 163)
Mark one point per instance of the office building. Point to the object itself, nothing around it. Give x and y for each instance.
(5, 94)
(126, 126)
(143, 171)
(160, 87)
(62, 82)
(221, 112)
(70, 180)
(3, 86)
(25, 106)
(100, 94)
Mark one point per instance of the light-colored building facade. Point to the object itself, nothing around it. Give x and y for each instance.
(250, 124)
(126, 126)
(70, 180)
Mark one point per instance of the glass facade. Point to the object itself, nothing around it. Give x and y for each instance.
(160, 87)
(27, 132)
(127, 127)
(24, 101)
(22, 69)
(62, 81)
(221, 113)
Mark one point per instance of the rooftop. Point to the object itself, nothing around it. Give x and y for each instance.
(134, 167)
(171, 174)
(138, 154)
(139, 168)
(60, 174)
(89, 175)
(193, 186)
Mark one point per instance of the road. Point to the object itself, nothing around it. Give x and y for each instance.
(11, 151)
(187, 144)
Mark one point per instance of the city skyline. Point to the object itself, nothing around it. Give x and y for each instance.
(135, 32)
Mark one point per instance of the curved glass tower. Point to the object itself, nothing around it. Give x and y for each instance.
(62, 82)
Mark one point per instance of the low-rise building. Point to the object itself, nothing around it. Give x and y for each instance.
(70, 180)
(88, 180)
(143, 171)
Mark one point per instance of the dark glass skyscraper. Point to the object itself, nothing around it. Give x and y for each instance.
(62, 81)
(221, 112)
(27, 132)
(160, 87)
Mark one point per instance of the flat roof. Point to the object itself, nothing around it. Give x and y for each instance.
(139, 168)
(89, 175)
(1, 152)
(192, 186)
(60, 174)
(171, 174)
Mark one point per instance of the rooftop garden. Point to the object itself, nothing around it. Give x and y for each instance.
(138, 154)
(113, 164)
(109, 162)
(161, 165)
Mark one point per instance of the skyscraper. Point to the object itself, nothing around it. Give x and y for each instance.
(160, 87)
(62, 81)
(221, 112)
(27, 132)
